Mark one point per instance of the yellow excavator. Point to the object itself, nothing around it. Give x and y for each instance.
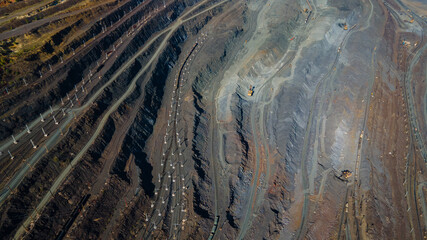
(346, 174)
(251, 91)
(345, 26)
(410, 21)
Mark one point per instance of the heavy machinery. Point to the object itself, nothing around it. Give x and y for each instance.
(251, 91)
(343, 26)
(407, 43)
(346, 174)
(410, 21)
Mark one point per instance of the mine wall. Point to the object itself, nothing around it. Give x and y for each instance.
(42, 14)
(18, 5)
(204, 81)
(73, 141)
(288, 127)
(37, 184)
(140, 131)
(58, 211)
(241, 141)
(389, 149)
(240, 181)
(72, 73)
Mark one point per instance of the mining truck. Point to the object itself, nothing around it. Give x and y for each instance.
(251, 91)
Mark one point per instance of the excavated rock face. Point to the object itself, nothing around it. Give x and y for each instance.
(199, 119)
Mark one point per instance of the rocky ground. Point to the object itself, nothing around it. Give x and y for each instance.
(132, 119)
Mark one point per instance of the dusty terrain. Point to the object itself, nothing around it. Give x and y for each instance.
(132, 119)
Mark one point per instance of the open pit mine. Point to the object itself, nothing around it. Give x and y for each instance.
(213, 119)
